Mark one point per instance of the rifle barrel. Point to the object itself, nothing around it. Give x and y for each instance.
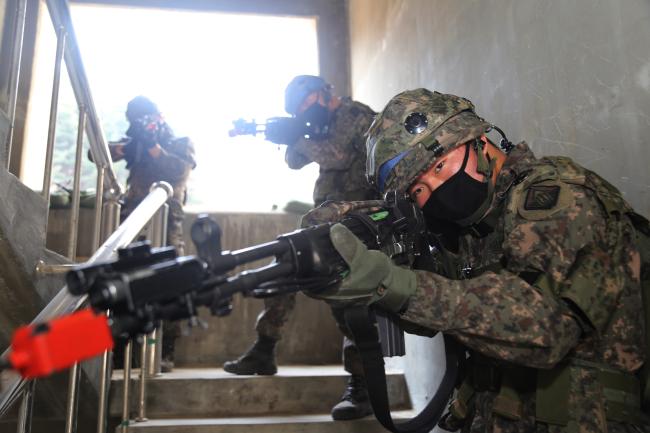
(245, 281)
(229, 260)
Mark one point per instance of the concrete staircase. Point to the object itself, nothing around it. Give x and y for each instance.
(199, 397)
(297, 399)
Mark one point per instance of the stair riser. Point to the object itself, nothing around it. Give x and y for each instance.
(248, 396)
(364, 426)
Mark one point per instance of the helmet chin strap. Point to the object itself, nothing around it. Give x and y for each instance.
(485, 166)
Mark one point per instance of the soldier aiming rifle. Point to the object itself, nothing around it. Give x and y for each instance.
(329, 130)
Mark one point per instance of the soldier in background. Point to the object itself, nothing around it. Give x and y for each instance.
(153, 154)
(542, 276)
(337, 145)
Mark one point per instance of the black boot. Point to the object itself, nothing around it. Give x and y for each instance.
(259, 359)
(355, 402)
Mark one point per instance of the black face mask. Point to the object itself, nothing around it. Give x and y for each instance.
(317, 120)
(458, 198)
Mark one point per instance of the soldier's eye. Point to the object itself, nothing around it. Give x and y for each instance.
(416, 192)
(439, 166)
(415, 123)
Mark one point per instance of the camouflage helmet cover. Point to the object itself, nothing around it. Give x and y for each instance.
(397, 156)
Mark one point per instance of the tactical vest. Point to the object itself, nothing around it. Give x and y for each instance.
(627, 395)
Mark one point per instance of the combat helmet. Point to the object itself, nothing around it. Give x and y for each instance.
(415, 128)
(140, 106)
(301, 87)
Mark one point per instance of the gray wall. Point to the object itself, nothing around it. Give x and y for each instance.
(570, 77)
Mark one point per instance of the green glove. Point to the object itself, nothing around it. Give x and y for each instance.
(373, 277)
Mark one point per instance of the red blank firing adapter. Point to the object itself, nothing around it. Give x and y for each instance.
(40, 349)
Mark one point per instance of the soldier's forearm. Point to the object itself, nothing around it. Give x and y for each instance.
(499, 315)
(117, 150)
(329, 154)
(295, 160)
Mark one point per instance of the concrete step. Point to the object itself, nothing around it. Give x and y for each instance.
(209, 393)
(318, 423)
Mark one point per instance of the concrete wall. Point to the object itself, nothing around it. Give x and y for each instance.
(570, 77)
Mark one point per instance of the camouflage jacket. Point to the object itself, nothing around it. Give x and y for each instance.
(173, 165)
(341, 157)
(555, 283)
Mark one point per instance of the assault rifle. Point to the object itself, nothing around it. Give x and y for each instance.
(144, 133)
(145, 285)
(279, 130)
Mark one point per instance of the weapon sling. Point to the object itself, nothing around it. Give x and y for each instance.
(362, 323)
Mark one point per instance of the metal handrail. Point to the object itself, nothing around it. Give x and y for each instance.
(63, 302)
(14, 79)
(60, 15)
(107, 187)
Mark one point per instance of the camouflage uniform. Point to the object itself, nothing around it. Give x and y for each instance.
(549, 288)
(173, 166)
(542, 286)
(341, 158)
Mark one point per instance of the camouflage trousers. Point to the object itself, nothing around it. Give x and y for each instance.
(277, 310)
(175, 226)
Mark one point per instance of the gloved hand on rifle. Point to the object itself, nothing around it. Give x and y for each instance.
(373, 278)
(144, 137)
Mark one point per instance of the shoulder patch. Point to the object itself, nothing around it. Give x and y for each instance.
(542, 200)
(541, 197)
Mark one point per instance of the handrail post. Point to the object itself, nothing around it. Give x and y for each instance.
(126, 385)
(99, 204)
(76, 193)
(26, 409)
(154, 356)
(14, 79)
(108, 226)
(104, 379)
(110, 217)
(158, 230)
(54, 105)
(142, 390)
(73, 399)
(158, 236)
